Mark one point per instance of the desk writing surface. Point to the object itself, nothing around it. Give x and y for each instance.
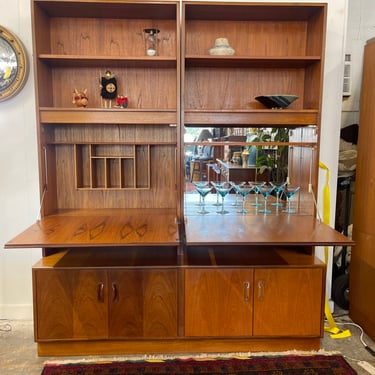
(107, 227)
(261, 230)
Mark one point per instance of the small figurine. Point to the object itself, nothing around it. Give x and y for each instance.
(80, 98)
(122, 101)
(108, 89)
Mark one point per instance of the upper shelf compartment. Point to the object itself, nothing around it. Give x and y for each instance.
(255, 29)
(275, 49)
(105, 28)
(77, 42)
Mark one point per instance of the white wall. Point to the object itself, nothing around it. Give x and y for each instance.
(361, 27)
(18, 161)
(18, 175)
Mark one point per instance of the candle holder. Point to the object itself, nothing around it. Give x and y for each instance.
(151, 41)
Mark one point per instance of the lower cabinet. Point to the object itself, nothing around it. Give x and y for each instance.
(230, 298)
(103, 303)
(254, 302)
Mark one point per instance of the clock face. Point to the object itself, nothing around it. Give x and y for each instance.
(110, 88)
(13, 67)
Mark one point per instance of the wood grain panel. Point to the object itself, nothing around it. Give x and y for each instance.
(288, 302)
(79, 228)
(237, 88)
(248, 38)
(362, 264)
(69, 304)
(218, 302)
(143, 303)
(261, 229)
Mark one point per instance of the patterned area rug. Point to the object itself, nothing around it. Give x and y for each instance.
(279, 365)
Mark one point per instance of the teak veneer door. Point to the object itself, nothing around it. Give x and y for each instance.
(70, 304)
(287, 302)
(143, 303)
(218, 302)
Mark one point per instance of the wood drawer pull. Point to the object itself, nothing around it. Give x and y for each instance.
(114, 293)
(246, 291)
(260, 290)
(101, 292)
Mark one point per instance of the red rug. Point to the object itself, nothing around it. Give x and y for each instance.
(278, 365)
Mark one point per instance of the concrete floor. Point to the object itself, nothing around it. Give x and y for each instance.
(18, 353)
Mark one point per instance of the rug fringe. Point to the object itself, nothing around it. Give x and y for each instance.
(201, 356)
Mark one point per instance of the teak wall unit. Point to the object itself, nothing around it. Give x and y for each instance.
(362, 268)
(125, 269)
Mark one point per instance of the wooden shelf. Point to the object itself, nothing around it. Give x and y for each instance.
(235, 61)
(79, 61)
(267, 117)
(50, 115)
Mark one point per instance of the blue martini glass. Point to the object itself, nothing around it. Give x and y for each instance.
(200, 184)
(266, 190)
(244, 191)
(279, 186)
(203, 191)
(223, 190)
(289, 192)
(216, 185)
(256, 187)
(236, 186)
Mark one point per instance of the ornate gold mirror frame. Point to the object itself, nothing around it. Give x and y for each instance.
(13, 64)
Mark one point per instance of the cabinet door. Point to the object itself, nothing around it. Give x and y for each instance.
(70, 304)
(218, 302)
(143, 303)
(288, 302)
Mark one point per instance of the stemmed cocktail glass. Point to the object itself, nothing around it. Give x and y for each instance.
(256, 186)
(236, 186)
(278, 188)
(200, 184)
(223, 190)
(289, 192)
(203, 190)
(217, 184)
(243, 190)
(266, 190)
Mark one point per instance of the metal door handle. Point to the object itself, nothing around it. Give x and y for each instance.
(246, 291)
(114, 293)
(101, 292)
(260, 290)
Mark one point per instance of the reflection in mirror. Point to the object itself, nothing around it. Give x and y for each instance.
(251, 154)
(238, 146)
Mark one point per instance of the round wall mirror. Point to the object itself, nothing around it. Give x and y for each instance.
(13, 64)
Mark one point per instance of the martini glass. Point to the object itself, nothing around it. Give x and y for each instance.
(216, 185)
(203, 191)
(223, 190)
(236, 186)
(244, 191)
(289, 192)
(266, 190)
(278, 188)
(256, 186)
(200, 184)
